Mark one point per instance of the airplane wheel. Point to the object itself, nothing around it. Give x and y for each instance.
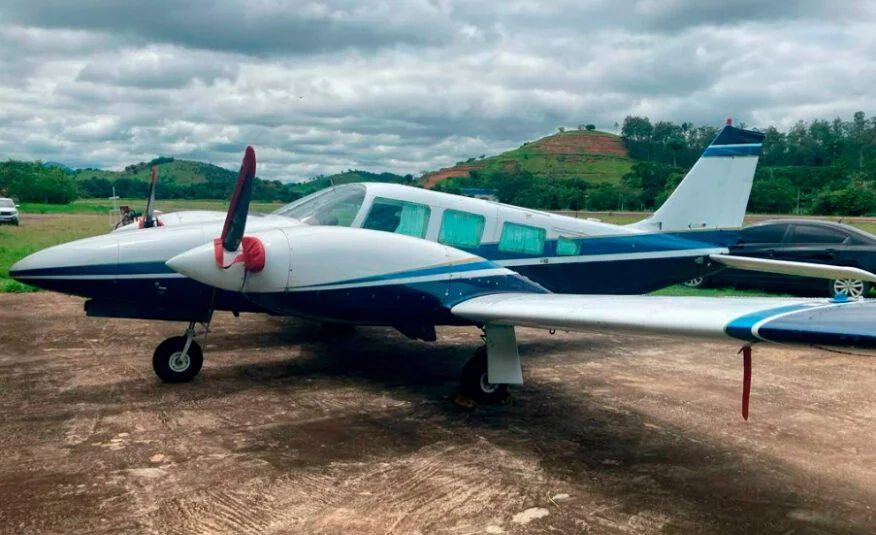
(172, 366)
(475, 384)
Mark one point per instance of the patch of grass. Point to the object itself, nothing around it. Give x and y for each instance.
(679, 290)
(39, 232)
(15, 287)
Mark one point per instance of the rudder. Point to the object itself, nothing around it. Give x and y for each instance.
(714, 193)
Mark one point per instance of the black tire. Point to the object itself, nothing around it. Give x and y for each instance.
(848, 287)
(16, 222)
(167, 365)
(475, 384)
(697, 282)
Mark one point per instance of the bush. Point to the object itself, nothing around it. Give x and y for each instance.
(852, 201)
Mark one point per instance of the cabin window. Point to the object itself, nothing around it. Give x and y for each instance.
(521, 239)
(461, 229)
(567, 247)
(400, 217)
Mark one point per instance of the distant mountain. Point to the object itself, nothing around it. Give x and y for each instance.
(169, 169)
(593, 156)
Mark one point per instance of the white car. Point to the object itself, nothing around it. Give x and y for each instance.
(8, 211)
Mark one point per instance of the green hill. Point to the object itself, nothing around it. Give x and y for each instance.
(169, 170)
(592, 156)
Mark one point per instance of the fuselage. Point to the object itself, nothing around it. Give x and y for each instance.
(125, 273)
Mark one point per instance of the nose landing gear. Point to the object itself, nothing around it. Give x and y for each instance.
(179, 358)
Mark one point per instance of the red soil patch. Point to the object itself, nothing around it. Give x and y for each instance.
(575, 143)
(576, 146)
(431, 179)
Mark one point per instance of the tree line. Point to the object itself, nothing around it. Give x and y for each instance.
(35, 182)
(821, 167)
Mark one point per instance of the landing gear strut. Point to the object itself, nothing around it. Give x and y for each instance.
(179, 358)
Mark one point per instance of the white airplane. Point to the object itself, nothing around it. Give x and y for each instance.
(382, 254)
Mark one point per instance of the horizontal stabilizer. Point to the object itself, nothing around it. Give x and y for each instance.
(802, 269)
(839, 323)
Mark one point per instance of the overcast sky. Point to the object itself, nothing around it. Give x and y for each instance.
(407, 85)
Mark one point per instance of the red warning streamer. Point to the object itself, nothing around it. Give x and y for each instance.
(746, 379)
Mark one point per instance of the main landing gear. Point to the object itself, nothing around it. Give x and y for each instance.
(485, 378)
(179, 358)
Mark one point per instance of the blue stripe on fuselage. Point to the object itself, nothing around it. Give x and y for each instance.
(128, 268)
(622, 244)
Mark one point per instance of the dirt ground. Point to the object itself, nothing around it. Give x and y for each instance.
(290, 431)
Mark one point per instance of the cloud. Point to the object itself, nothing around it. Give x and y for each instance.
(406, 86)
(159, 68)
(255, 27)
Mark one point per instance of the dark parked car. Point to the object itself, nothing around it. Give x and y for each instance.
(801, 240)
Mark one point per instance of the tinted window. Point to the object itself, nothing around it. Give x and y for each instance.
(763, 234)
(567, 247)
(398, 216)
(461, 229)
(521, 239)
(818, 234)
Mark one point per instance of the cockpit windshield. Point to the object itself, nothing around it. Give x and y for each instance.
(332, 206)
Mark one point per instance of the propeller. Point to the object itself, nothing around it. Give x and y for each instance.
(252, 252)
(236, 256)
(149, 220)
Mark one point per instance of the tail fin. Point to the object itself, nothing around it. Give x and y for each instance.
(714, 193)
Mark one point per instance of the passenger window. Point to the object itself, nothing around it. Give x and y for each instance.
(818, 234)
(567, 247)
(763, 234)
(521, 239)
(400, 217)
(461, 229)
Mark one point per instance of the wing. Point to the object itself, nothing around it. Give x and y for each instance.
(839, 323)
(801, 269)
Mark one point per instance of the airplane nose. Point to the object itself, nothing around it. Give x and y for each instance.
(70, 267)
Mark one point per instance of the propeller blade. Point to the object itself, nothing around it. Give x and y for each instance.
(235, 221)
(149, 215)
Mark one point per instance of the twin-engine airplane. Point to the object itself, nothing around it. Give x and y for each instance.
(382, 254)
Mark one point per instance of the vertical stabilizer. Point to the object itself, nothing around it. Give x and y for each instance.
(714, 193)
